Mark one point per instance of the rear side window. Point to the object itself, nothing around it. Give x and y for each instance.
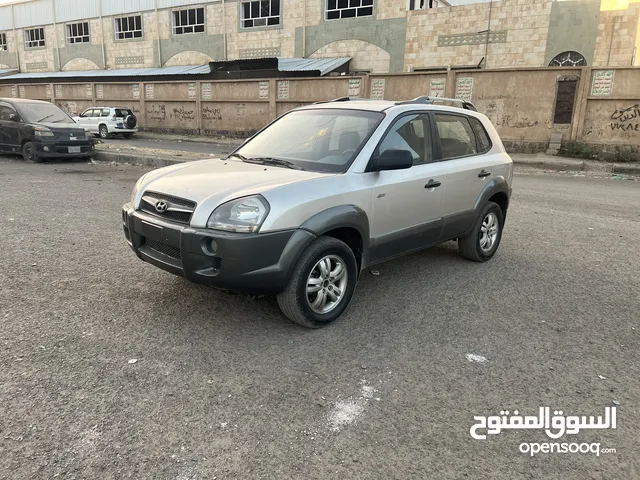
(456, 136)
(105, 112)
(122, 112)
(484, 142)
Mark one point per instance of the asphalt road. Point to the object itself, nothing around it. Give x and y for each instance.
(170, 143)
(225, 387)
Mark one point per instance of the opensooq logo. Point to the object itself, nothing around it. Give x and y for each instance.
(555, 426)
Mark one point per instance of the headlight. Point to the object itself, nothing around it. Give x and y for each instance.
(243, 215)
(136, 189)
(42, 132)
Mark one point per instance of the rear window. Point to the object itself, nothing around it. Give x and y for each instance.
(456, 136)
(484, 142)
(123, 112)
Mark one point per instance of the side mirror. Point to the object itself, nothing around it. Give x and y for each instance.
(391, 160)
(13, 117)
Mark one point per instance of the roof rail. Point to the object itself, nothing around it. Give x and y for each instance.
(340, 99)
(426, 100)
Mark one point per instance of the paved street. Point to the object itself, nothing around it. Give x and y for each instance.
(224, 387)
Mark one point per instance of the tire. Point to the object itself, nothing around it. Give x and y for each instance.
(103, 132)
(127, 135)
(130, 121)
(296, 303)
(29, 153)
(474, 246)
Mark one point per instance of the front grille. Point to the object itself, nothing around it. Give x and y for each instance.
(178, 209)
(163, 248)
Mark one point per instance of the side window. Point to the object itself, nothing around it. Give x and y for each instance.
(6, 111)
(484, 142)
(105, 112)
(96, 112)
(456, 136)
(86, 113)
(412, 133)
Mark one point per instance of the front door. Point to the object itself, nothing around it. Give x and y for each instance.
(407, 204)
(9, 128)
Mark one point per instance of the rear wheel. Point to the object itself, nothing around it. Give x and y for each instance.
(483, 240)
(127, 135)
(322, 284)
(103, 131)
(29, 153)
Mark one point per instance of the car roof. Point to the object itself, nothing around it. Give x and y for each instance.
(22, 100)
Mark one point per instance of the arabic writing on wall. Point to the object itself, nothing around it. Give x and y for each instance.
(156, 112)
(209, 113)
(622, 119)
(182, 114)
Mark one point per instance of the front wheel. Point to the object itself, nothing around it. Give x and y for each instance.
(29, 153)
(483, 240)
(322, 284)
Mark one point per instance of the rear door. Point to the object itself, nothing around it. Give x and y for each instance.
(407, 204)
(464, 145)
(9, 128)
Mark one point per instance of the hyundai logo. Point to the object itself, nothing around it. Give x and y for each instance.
(161, 206)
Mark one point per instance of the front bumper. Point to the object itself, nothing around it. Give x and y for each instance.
(56, 148)
(251, 263)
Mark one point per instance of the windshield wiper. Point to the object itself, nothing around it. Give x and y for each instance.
(44, 118)
(274, 162)
(237, 155)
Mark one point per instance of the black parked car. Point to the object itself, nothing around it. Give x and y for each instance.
(38, 130)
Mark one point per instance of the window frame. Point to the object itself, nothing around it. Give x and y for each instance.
(133, 37)
(43, 39)
(174, 27)
(242, 18)
(4, 43)
(475, 124)
(326, 9)
(437, 135)
(432, 134)
(69, 32)
(8, 105)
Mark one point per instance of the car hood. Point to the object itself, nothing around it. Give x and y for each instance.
(212, 182)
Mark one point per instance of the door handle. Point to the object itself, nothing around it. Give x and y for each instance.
(432, 184)
(483, 174)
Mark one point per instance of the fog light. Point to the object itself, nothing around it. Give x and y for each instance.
(46, 149)
(209, 246)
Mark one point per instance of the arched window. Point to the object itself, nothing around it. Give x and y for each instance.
(568, 59)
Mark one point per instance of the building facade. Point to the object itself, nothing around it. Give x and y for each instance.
(379, 35)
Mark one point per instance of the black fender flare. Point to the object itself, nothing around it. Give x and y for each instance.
(341, 216)
(493, 186)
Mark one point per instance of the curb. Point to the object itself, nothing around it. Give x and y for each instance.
(631, 168)
(555, 164)
(147, 160)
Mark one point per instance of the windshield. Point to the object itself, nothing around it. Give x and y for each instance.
(42, 112)
(324, 140)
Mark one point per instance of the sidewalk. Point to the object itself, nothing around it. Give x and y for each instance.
(160, 158)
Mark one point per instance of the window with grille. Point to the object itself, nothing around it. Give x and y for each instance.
(34, 37)
(189, 20)
(78, 32)
(3, 41)
(260, 13)
(128, 27)
(348, 9)
(568, 59)
(422, 4)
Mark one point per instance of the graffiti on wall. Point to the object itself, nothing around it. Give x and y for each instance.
(626, 119)
(182, 114)
(156, 113)
(211, 114)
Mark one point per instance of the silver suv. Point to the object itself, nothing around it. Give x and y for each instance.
(105, 121)
(321, 194)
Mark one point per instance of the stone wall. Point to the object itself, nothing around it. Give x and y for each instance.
(618, 38)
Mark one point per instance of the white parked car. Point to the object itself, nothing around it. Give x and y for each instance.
(105, 121)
